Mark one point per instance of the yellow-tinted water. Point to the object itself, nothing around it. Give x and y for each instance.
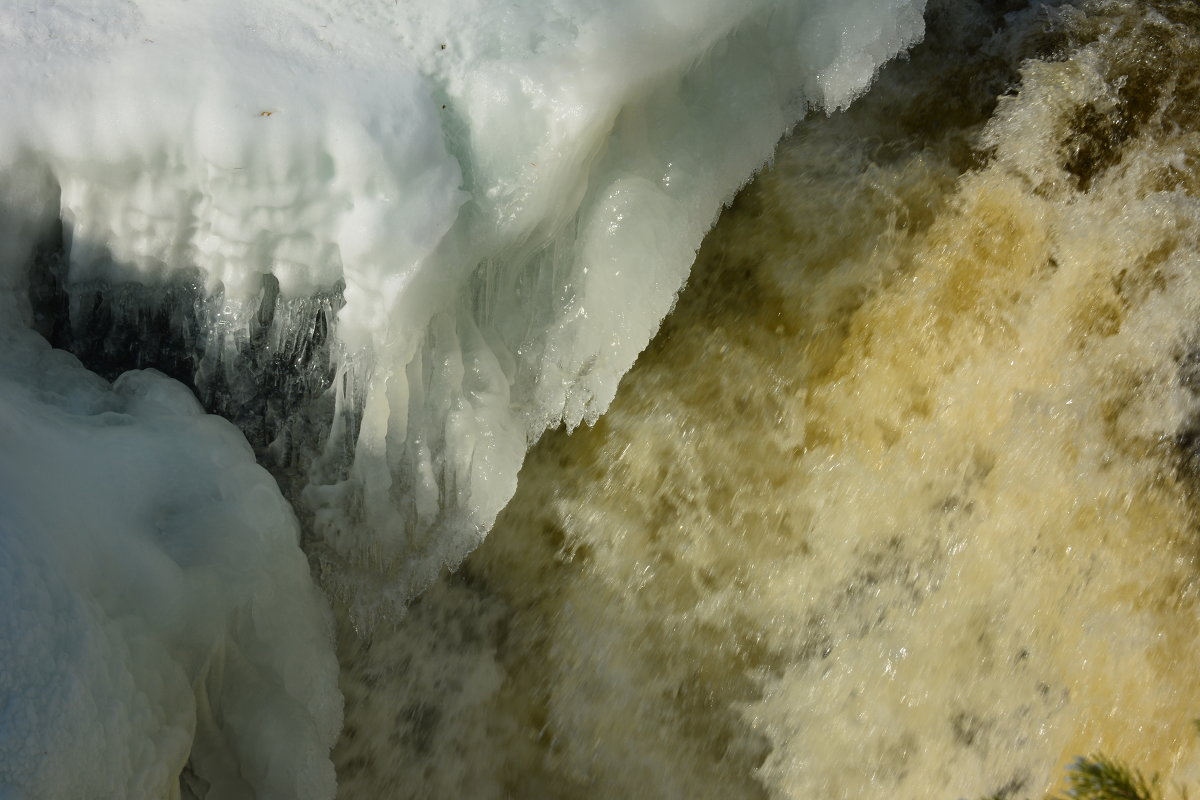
(902, 501)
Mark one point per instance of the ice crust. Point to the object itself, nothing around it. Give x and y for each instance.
(507, 196)
(155, 608)
(394, 242)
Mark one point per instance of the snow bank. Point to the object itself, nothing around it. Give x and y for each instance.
(505, 196)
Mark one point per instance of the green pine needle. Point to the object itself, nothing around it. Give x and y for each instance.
(1099, 777)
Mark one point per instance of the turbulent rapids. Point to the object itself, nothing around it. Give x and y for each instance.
(901, 502)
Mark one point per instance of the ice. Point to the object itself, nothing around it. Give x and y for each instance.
(392, 242)
(505, 198)
(155, 608)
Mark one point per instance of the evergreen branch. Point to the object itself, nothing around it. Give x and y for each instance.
(1099, 777)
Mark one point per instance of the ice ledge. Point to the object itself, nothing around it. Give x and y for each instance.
(510, 197)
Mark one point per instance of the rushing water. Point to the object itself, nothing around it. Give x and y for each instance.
(901, 503)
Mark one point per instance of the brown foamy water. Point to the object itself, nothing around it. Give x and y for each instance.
(901, 503)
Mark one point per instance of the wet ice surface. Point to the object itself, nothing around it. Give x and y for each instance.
(901, 502)
(498, 213)
(393, 244)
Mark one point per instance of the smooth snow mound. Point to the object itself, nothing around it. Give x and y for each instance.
(155, 607)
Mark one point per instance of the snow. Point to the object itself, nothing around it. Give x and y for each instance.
(492, 206)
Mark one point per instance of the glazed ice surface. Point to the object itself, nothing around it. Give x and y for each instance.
(494, 206)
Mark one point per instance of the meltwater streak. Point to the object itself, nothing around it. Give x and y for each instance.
(901, 502)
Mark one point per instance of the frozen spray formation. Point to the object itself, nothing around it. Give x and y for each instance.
(392, 243)
(493, 207)
(902, 502)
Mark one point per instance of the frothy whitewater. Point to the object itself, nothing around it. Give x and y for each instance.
(901, 502)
